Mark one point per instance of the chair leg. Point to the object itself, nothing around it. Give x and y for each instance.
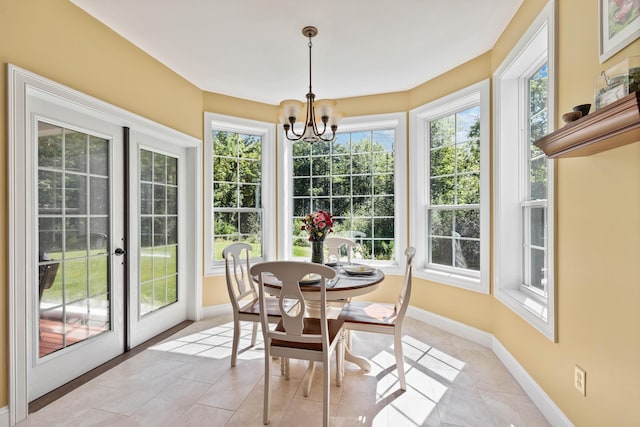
(326, 387)
(340, 360)
(254, 334)
(285, 361)
(397, 349)
(266, 411)
(236, 341)
(311, 371)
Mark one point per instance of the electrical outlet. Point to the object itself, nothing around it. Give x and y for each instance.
(580, 380)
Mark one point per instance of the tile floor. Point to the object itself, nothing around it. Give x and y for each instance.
(186, 381)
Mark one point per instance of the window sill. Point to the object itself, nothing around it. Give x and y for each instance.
(218, 270)
(453, 279)
(530, 309)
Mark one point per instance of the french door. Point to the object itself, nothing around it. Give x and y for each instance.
(76, 301)
(84, 255)
(103, 254)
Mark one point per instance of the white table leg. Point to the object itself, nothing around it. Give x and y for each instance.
(362, 362)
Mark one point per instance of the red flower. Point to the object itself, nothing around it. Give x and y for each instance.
(316, 224)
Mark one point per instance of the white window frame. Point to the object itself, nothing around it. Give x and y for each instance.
(419, 118)
(266, 131)
(511, 176)
(395, 121)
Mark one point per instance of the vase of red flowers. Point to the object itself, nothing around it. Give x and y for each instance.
(318, 225)
(317, 252)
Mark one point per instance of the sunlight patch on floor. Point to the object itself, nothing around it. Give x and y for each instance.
(215, 343)
(429, 371)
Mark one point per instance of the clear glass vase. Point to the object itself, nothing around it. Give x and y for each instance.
(317, 252)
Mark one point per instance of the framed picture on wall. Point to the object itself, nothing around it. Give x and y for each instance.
(619, 25)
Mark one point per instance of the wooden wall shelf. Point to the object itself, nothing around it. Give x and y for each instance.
(612, 126)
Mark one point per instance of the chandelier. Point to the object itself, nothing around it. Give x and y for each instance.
(320, 111)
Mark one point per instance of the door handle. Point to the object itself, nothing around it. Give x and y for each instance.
(119, 251)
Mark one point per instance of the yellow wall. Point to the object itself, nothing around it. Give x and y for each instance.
(597, 197)
(57, 40)
(597, 252)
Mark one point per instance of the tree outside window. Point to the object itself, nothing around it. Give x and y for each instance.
(534, 207)
(353, 178)
(237, 191)
(453, 208)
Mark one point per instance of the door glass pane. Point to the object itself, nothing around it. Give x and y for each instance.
(73, 235)
(158, 279)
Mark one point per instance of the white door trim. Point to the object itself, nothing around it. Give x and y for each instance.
(19, 82)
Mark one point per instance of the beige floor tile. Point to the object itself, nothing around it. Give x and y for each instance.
(405, 410)
(464, 407)
(305, 412)
(187, 380)
(170, 405)
(510, 409)
(202, 415)
(234, 386)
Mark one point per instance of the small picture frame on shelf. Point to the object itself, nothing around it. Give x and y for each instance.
(619, 25)
(617, 82)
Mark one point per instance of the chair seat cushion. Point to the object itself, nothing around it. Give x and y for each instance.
(273, 309)
(311, 326)
(365, 312)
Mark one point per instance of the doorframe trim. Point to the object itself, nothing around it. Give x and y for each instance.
(19, 82)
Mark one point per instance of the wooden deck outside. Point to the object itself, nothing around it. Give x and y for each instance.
(53, 332)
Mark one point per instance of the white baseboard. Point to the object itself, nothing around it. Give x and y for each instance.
(460, 329)
(552, 413)
(4, 417)
(549, 409)
(216, 310)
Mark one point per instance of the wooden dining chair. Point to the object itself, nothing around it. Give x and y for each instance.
(335, 244)
(244, 295)
(383, 318)
(297, 336)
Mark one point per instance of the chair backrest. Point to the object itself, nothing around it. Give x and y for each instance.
(290, 273)
(334, 244)
(405, 292)
(239, 283)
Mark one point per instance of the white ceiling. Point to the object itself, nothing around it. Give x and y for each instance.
(254, 49)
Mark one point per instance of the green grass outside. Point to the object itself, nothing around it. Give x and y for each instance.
(220, 244)
(157, 273)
